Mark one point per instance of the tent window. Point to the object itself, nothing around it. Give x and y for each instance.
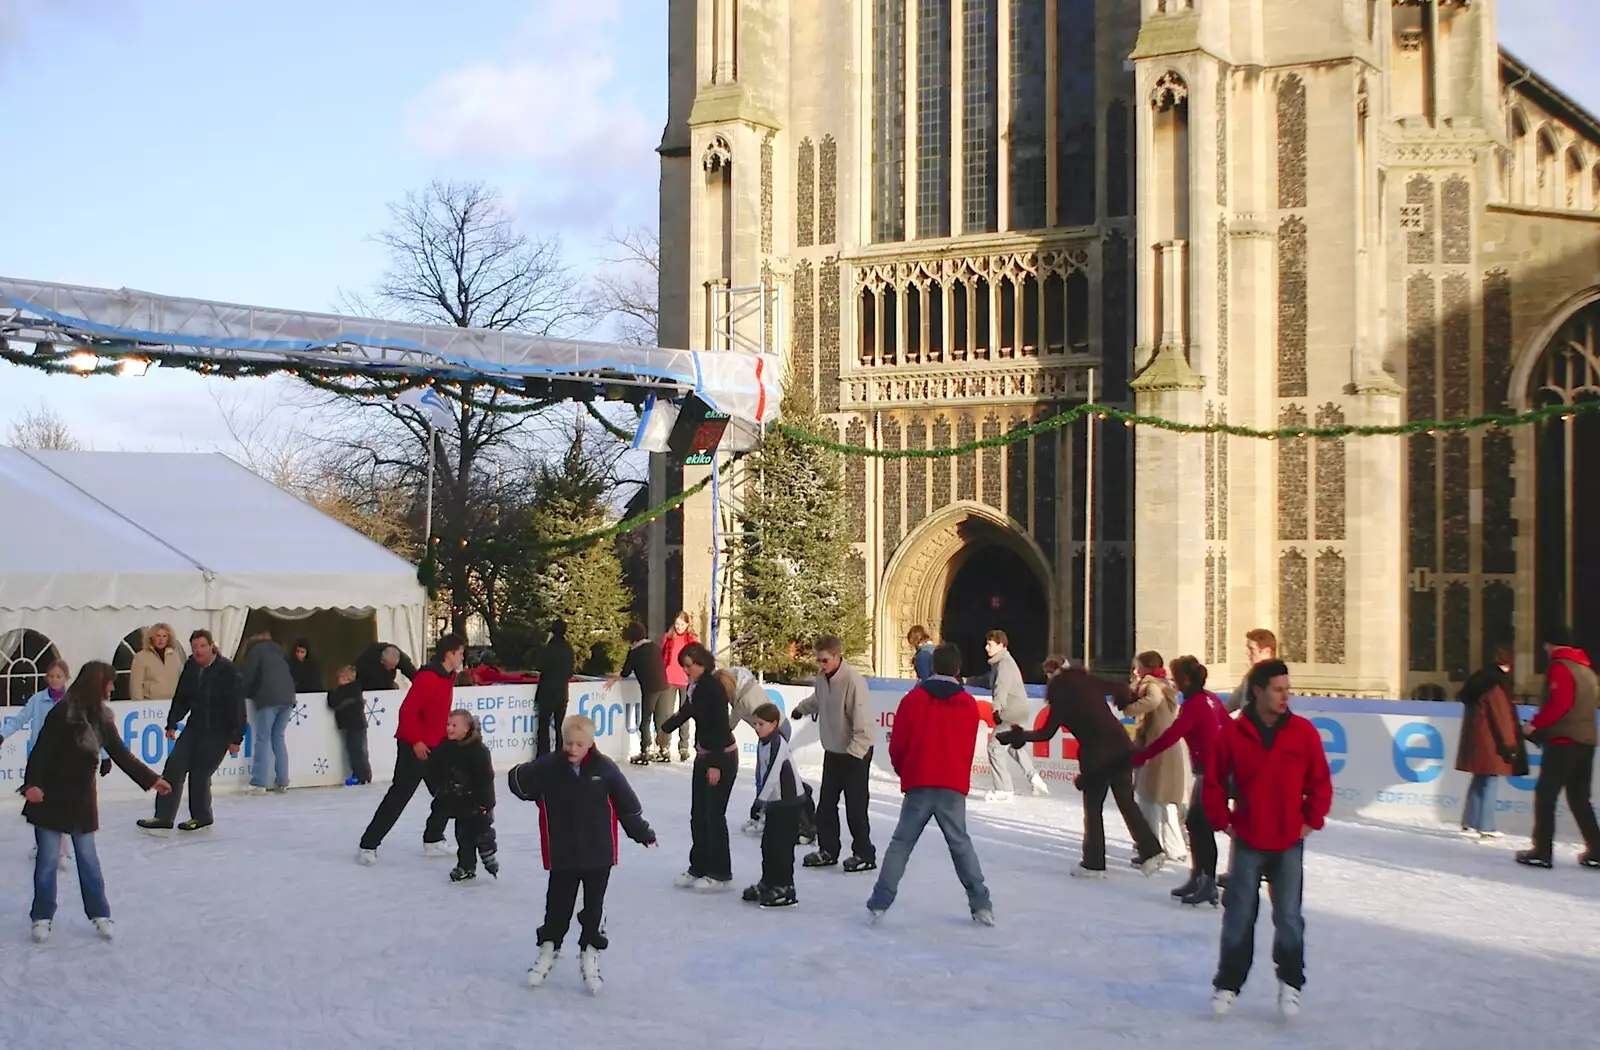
(122, 663)
(24, 657)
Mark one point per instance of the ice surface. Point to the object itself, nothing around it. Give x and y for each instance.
(266, 934)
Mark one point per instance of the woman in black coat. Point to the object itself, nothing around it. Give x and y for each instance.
(59, 785)
(716, 765)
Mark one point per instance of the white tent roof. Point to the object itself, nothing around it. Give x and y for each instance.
(104, 530)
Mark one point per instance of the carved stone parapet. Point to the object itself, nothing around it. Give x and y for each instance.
(981, 382)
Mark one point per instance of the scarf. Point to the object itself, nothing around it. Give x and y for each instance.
(55, 695)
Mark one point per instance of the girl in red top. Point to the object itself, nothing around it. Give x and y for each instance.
(1199, 720)
(677, 640)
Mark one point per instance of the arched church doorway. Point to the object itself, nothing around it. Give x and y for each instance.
(993, 588)
(1567, 514)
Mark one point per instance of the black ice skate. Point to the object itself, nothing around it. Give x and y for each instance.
(1205, 892)
(461, 876)
(1529, 859)
(152, 826)
(1188, 887)
(819, 859)
(1588, 860)
(491, 863)
(753, 894)
(807, 838)
(857, 864)
(779, 897)
(661, 755)
(641, 759)
(194, 825)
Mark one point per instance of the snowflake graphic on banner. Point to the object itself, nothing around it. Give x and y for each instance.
(321, 765)
(374, 713)
(299, 714)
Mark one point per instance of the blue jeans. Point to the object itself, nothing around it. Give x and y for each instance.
(1284, 873)
(90, 881)
(919, 806)
(271, 724)
(1481, 793)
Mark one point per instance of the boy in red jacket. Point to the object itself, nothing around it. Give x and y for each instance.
(419, 728)
(1272, 759)
(1564, 729)
(931, 747)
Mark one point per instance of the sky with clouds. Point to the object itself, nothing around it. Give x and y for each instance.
(246, 152)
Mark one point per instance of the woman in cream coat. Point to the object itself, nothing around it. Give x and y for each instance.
(156, 666)
(1162, 784)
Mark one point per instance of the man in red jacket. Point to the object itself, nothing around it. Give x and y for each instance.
(1269, 761)
(419, 729)
(1564, 729)
(931, 746)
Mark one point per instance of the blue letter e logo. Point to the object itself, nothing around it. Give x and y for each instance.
(1418, 752)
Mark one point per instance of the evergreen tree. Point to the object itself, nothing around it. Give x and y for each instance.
(796, 572)
(582, 585)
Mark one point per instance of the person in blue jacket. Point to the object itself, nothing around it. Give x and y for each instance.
(922, 656)
(31, 718)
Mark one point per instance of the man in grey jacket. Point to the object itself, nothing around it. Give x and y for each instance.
(1010, 702)
(269, 683)
(848, 732)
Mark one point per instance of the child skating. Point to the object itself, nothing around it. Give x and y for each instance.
(349, 709)
(461, 776)
(582, 797)
(783, 798)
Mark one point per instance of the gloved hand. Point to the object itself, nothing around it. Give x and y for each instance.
(1077, 781)
(105, 767)
(1010, 737)
(1138, 759)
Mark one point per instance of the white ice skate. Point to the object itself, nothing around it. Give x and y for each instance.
(686, 881)
(983, 917)
(1081, 872)
(1039, 786)
(1222, 1002)
(253, 790)
(874, 917)
(1288, 1001)
(1150, 865)
(539, 972)
(999, 796)
(752, 828)
(589, 966)
(710, 885)
(106, 929)
(367, 858)
(65, 863)
(41, 931)
(437, 849)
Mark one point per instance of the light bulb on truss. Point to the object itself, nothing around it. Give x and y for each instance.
(134, 366)
(82, 361)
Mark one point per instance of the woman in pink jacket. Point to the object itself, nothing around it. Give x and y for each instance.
(677, 640)
(1199, 719)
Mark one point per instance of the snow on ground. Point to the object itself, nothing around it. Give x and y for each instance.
(266, 934)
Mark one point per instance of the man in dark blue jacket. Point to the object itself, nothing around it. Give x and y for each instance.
(209, 701)
(582, 797)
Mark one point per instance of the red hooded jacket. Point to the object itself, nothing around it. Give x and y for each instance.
(672, 646)
(1562, 690)
(1275, 790)
(426, 708)
(934, 737)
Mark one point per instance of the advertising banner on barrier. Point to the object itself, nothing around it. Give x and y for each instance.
(1391, 760)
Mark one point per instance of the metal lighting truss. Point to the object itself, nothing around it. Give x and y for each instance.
(123, 323)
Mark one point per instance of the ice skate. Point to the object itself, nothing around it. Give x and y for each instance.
(64, 863)
(1083, 871)
(874, 916)
(437, 849)
(367, 857)
(1039, 786)
(752, 828)
(589, 966)
(753, 894)
(686, 881)
(491, 863)
(853, 865)
(1205, 892)
(641, 759)
(152, 826)
(983, 917)
(779, 897)
(684, 754)
(195, 825)
(1529, 859)
(819, 859)
(106, 929)
(1288, 1001)
(710, 885)
(351, 782)
(539, 972)
(462, 876)
(661, 754)
(1222, 1002)
(1188, 887)
(255, 790)
(807, 838)
(1588, 860)
(41, 931)
(1150, 865)
(1000, 797)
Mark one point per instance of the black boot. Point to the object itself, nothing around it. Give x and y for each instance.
(1205, 892)
(1188, 887)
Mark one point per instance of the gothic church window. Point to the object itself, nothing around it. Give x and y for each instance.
(933, 118)
(980, 117)
(1028, 114)
(1549, 171)
(888, 120)
(804, 194)
(1076, 110)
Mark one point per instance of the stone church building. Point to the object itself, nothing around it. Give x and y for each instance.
(954, 216)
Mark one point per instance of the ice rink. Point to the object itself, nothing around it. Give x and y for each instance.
(264, 933)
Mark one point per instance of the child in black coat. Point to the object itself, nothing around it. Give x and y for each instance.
(582, 797)
(349, 709)
(461, 775)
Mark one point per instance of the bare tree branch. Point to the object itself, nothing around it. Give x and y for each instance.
(41, 429)
(629, 289)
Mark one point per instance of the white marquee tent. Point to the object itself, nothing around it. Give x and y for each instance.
(94, 545)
